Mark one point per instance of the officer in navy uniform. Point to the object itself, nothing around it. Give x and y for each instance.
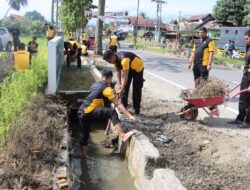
(202, 56)
(97, 105)
(243, 118)
(131, 67)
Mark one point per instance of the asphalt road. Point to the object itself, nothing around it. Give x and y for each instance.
(174, 71)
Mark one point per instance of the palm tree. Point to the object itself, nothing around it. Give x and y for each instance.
(99, 24)
(16, 5)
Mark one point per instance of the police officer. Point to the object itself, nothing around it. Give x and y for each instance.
(97, 106)
(73, 50)
(51, 33)
(70, 36)
(84, 50)
(32, 47)
(16, 40)
(202, 56)
(243, 118)
(85, 39)
(114, 42)
(131, 66)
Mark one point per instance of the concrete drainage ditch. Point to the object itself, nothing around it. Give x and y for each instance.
(103, 170)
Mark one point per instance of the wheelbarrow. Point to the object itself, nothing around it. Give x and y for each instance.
(209, 104)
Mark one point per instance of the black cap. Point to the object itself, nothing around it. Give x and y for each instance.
(107, 73)
(203, 29)
(107, 54)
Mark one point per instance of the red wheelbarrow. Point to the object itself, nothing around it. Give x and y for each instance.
(210, 104)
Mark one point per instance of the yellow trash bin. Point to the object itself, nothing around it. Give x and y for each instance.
(21, 60)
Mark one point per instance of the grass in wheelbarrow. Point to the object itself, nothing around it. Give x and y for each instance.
(209, 88)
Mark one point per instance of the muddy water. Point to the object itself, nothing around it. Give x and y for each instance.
(103, 170)
(100, 170)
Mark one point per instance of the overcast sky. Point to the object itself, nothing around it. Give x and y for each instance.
(170, 11)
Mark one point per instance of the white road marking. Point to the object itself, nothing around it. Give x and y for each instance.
(182, 87)
(168, 81)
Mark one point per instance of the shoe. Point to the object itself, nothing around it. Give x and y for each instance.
(235, 122)
(244, 125)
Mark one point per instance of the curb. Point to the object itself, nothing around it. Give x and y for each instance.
(143, 155)
(232, 66)
(61, 173)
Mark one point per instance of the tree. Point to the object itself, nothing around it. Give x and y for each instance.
(99, 24)
(26, 26)
(34, 15)
(230, 11)
(246, 20)
(73, 12)
(16, 5)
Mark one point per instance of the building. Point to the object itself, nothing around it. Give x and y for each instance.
(145, 23)
(233, 33)
(201, 18)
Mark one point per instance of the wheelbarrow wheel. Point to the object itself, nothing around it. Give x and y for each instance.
(190, 115)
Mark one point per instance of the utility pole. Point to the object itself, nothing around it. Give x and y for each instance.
(99, 26)
(52, 11)
(57, 6)
(178, 30)
(158, 19)
(136, 27)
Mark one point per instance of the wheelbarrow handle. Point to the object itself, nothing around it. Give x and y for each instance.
(240, 92)
(234, 88)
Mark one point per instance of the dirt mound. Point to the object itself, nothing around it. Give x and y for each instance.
(202, 159)
(209, 88)
(29, 155)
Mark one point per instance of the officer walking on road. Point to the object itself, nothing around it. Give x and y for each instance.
(202, 56)
(131, 67)
(97, 105)
(243, 118)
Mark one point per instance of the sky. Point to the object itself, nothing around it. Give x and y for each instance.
(170, 10)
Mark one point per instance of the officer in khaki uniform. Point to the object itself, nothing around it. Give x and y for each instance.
(85, 39)
(202, 56)
(97, 106)
(243, 118)
(114, 43)
(73, 50)
(131, 66)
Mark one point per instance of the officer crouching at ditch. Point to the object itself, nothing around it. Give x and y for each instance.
(97, 105)
(73, 50)
(243, 118)
(131, 66)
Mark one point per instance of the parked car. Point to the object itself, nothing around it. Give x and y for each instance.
(5, 39)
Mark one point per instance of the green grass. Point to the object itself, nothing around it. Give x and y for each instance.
(18, 88)
(149, 46)
(220, 59)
